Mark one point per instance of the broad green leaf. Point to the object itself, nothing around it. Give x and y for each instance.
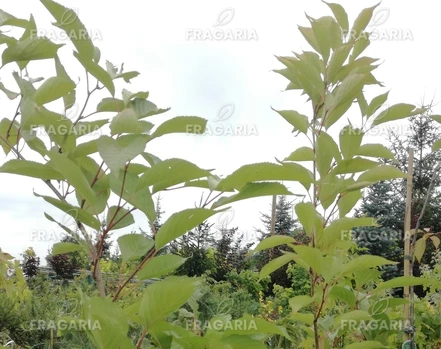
(275, 264)
(362, 103)
(355, 165)
(83, 128)
(326, 150)
(31, 169)
(356, 315)
(181, 124)
(65, 247)
(110, 105)
(264, 172)
(361, 22)
(436, 118)
(69, 99)
(311, 256)
(381, 173)
(75, 212)
(338, 228)
(328, 188)
(273, 241)
(30, 49)
(322, 29)
(301, 154)
(375, 151)
(376, 103)
(116, 156)
(253, 190)
(338, 58)
(128, 96)
(52, 89)
(363, 277)
(68, 21)
(134, 246)
(11, 95)
(73, 175)
(340, 15)
(8, 19)
(436, 241)
(420, 248)
(144, 108)
(348, 90)
(160, 266)
(86, 148)
(299, 121)
(360, 45)
(170, 172)
(299, 302)
(10, 134)
(181, 222)
(127, 122)
(395, 112)
(336, 113)
(127, 76)
(165, 297)
(364, 262)
(350, 140)
(308, 34)
(118, 219)
(347, 202)
(307, 216)
(402, 281)
(99, 73)
(344, 294)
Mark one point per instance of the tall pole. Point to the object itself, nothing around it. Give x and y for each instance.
(407, 221)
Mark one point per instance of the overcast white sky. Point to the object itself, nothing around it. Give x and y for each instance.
(199, 77)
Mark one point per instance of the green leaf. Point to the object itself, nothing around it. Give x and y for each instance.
(402, 281)
(338, 58)
(275, 264)
(11, 95)
(144, 108)
(307, 216)
(65, 247)
(436, 118)
(110, 105)
(361, 22)
(30, 49)
(364, 262)
(420, 248)
(375, 151)
(395, 112)
(301, 154)
(299, 121)
(381, 173)
(299, 302)
(69, 99)
(436, 241)
(170, 172)
(376, 103)
(68, 21)
(340, 15)
(359, 46)
(354, 165)
(326, 150)
(181, 124)
(99, 73)
(263, 172)
(253, 190)
(181, 222)
(311, 256)
(128, 96)
(127, 122)
(116, 156)
(309, 35)
(160, 266)
(334, 231)
(347, 202)
(83, 128)
(10, 134)
(72, 173)
(355, 315)
(31, 169)
(7, 19)
(52, 89)
(75, 212)
(348, 90)
(362, 103)
(165, 297)
(273, 241)
(350, 141)
(118, 219)
(344, 294)
(336, 113)
(134, 246)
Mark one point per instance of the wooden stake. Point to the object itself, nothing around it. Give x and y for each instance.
(407, 221)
